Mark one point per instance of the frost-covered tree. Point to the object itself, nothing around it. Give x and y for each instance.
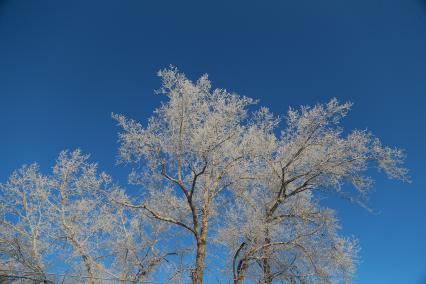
(137, 247)
(65, 223)
(300, 244)
(311, 153)
(191, 151)
(80, 212)
(24, 226)
(212, 173)
(203, 147)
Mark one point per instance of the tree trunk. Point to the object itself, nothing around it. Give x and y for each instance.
(267, 275)
(88, 265)
(241, 274)
(197, 275)
(239, 271)
(240, 279)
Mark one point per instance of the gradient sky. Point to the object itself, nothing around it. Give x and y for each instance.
(66, 65)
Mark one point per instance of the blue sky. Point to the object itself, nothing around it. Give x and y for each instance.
(66, 65)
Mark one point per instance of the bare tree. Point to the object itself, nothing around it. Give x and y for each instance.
(203, 142)
(310, 154)
(190, 151)
(136, 246)
(210, 172)
(300, 244)
(67, 218)
(23, 225)
(82, 216)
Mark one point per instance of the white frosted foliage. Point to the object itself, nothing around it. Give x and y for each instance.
(218, 186)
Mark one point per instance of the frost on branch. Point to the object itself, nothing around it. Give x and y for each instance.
(203, 148)
(298, 244)
(23, 227)
(277, 230)
(211, 175)
(64, 223)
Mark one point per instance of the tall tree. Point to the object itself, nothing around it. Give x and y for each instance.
(203, 142)
(191, 150)
(311, 154)
(211, 171)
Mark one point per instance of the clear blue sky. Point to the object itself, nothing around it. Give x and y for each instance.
(66, 65)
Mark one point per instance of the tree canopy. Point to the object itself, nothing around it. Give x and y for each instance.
(225, 187)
